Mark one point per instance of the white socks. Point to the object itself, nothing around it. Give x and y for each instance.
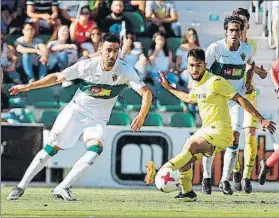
(207, 166)
(230, 159)
(35, 167)
(79, 168)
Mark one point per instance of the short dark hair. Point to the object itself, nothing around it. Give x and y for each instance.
(197, 53)
(85, 7)
(110, 37)
(242, 11)
(233, 19)
(28, 23)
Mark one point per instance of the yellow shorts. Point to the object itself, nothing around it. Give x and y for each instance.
(249, 120)
(220, 139)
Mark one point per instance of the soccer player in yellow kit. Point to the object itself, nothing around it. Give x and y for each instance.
(249, 123)
(212, 94)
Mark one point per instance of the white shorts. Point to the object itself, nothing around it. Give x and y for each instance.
(71, 124)
(236, 113)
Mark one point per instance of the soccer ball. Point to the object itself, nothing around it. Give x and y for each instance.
(166, 180)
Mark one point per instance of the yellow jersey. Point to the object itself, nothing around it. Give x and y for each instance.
(212, 94)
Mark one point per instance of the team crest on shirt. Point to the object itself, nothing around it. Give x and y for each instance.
(114, 77)
(243, 56)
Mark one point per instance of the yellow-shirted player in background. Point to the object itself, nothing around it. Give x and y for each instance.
(211, 93)
(249, 123)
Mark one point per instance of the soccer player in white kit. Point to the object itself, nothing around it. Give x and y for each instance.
(86, 116)
(231, 59)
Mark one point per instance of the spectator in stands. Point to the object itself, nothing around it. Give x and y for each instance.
(140, 5)
(33, 52)
(61, 53)
(116, 22)
(190, 41)
(44, 14)
(100, 9)
(91, 47)
(9, 61)
(131, 53)
(81, 29)
(70, 10)
(160, 58)
(275, 23)
(13, 15)
(163, 16)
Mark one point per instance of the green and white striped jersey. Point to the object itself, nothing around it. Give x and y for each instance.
(99, 89)
(231, 65)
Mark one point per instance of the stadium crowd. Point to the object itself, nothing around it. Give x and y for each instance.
(74, 29)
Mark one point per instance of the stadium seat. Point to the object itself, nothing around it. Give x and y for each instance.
(118, 106)
(18, 101)
(66, 94)
(136, 20)
(153, 119)
(168, 102)
(119, 118)
(132, 100)
(24, 115)
(48, 117)
(173, 43)
(43, 98)
(182, 120)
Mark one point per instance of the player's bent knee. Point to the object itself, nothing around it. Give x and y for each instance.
(95, 148)
(51, 150)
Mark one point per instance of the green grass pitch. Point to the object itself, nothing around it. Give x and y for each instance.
(120, 202)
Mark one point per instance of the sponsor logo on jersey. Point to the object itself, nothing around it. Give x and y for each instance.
(232, 72)
(200, 96)
(100, 91)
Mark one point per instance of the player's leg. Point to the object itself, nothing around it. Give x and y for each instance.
(207, 174)
(56, 137)
(250, 152)
(34, 168)
(185, 180)
(93, 138)
(265, 166)
(231, 154)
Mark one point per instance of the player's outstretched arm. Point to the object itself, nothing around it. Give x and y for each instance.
(183, 96)
(49, 80)
(265, 124)
(250, 72)
(145, 106)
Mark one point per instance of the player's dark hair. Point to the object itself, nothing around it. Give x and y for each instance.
(233, 19)
(197, 53)
(242, 11)
(109, 37)
(28, 23)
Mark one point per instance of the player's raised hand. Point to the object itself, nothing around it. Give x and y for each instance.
(163, 80)
(268, 124)
(261, 72)
(18, 88)
(137, 123)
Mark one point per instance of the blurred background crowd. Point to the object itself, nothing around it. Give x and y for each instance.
(40, 37)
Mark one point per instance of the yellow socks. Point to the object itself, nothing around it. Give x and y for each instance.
(179, 160)
(185, 180)
(250, 154)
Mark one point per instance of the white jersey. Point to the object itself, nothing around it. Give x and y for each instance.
(231, 65)
(99, 89)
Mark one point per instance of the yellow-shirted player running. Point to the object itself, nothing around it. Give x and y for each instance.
(249, 123)
(212, 94)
